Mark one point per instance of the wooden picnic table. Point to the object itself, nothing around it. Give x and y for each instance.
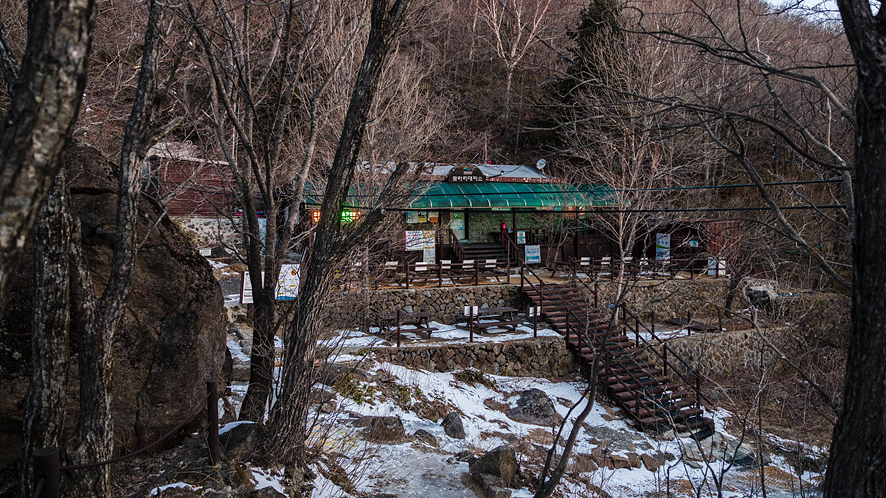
(505, 317)
(421, 320)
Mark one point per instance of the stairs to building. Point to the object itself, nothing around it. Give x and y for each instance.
(482, 251)
(628, 375)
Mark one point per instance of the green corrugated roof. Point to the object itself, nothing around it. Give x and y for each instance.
(512, 195)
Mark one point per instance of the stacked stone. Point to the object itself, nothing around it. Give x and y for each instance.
(545, 357)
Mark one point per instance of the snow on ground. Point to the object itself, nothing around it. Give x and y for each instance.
(445, 334)
(414, 469)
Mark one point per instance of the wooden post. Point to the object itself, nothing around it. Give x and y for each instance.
(439, 274)
(399, 322)
(406, 273)
(719, 321)
(596, 304)
(477, 272)
(535, 325)
(665, 355)
(212, 421)
(48, 468)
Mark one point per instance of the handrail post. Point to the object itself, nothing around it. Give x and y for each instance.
(212, 421)
(477, 272)
(596, 304)
(406, 273)
(399, 322)
(47, 467)
(439, 274)
(665, 354)
(471, 323)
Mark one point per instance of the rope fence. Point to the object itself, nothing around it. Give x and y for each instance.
(47, 466)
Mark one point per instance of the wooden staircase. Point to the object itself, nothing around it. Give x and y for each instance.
(628, 376)
(483, 251)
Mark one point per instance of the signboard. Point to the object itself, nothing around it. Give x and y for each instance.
(414, 240)
(521, 237)
(411, 217)
(693, 243)
(206, 251)
(532, 254)
(465, 175)
(457, 224)
(662, 246)
(433, 216)
(287, 285)
(429, 255)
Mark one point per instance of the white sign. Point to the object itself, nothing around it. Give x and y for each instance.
(287, 285)
(521, 237)
(429, 255)
(532, 254)
(662, 246)
(414, 240)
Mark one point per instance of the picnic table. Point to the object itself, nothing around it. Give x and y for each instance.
(420, 319)
(501, 318)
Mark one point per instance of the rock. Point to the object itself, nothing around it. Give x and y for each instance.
(500, 462)
(650, 462)
(173, 333)
(385, 430)
(426, 437)
(452, 426)
(465, 456)
(762, 294)
(241, 441)
(268, 492)
(534, 407)
(634, 460)
(497, 492)
(619, 462)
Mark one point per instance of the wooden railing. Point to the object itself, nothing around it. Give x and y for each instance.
(456, 246)
(695, 383)
(602, 268)
(540, 288)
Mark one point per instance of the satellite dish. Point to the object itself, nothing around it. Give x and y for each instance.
(540, 165)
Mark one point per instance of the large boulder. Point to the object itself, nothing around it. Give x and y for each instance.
(534, 407)
(384, 430)
(453, 426)
(500, 462)
(173, 333)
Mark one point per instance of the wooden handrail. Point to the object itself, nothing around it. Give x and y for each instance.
(456, 246)
(698, 377)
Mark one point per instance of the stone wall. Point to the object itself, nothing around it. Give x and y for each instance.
(446, 303)
(822, 319)
(670, 298)
(721, 354)
(207, 230)
(545, 357)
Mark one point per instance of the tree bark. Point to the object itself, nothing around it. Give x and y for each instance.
(100, 319)
(290, 413)
(41, 117)
(44, 417)
(857, 462)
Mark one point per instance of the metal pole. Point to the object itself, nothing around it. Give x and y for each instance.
(47, 468)
(212, 421)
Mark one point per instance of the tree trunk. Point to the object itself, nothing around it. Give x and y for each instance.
(37, 128)
(261, 357)
(289, 415)
(857, 463)
(44, 417)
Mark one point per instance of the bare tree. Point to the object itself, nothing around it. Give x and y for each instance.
(333, 241)
(45, 99)
(514, 27)
(97, 319)
(856, 464)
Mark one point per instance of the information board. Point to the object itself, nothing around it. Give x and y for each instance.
(662, 246)
(287, 284)
(532, 254)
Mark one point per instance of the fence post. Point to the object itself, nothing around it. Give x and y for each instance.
(406, 273)
(471, 323)
(399, 322)
(48, 468)
(212, 421)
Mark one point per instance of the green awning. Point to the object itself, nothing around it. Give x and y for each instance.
(554, 196)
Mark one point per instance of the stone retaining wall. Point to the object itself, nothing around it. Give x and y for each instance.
(446, 303)
(545, 357)
(670, 298)
(720, 354)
